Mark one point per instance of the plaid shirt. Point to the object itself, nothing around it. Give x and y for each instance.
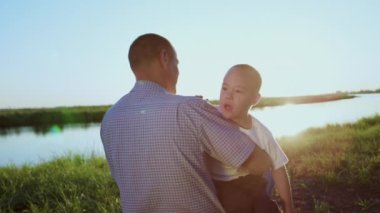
(155, 145)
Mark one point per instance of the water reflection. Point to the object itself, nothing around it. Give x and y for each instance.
(25, 145)
(292, 119)
(43, 129)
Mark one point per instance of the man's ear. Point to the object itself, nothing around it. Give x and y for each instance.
(164, 57)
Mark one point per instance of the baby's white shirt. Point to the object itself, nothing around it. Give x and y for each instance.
(263, 138)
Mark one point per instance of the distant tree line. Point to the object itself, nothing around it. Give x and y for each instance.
(41, 119)
(365, 91)
(44, 117)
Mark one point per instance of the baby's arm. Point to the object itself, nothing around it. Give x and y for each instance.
(281, 180)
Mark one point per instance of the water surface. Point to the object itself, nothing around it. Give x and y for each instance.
(24, 145)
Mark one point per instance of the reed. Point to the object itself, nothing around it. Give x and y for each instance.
(338, 166)
(73, 183)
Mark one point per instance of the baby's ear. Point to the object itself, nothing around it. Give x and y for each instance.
(256, 100)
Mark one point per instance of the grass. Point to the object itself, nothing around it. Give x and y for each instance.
(333, 166)
(332, 169)
(70, 184)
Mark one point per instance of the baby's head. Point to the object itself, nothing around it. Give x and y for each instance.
(240, 91)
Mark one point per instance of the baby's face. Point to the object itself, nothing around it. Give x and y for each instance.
(236, 96)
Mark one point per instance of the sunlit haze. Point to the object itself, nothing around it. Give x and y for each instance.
(66, 53)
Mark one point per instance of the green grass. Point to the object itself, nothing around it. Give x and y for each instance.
(70, 184)
(332, 169)
(339, 154)
(339, 162)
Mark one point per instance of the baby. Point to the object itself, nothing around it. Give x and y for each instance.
(239, 93)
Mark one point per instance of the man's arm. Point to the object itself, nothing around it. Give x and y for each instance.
(258, 162)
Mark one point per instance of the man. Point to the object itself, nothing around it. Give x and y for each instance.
(155, 141)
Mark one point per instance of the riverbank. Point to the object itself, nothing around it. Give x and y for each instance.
(332, 169)
(43, 118)
(307, 99)
(336, 168)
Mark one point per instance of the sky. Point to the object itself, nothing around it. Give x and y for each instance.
(74, 52)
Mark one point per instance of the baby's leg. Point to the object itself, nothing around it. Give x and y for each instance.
(240, 195)
(263, 204)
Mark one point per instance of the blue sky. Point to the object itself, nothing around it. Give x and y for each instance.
(70, 52)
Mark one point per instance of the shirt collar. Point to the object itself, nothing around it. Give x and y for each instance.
(149, 85)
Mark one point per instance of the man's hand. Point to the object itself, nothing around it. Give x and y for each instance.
(258, 162)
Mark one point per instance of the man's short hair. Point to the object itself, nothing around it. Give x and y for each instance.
(146, 48)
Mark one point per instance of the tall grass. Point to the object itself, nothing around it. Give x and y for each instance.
(337, 164)
(339, 154)
(69, 184)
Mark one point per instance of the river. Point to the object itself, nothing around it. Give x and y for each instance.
(25, 146)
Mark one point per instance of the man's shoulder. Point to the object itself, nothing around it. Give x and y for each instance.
(192, 105)
(183, 99)
(195, 102)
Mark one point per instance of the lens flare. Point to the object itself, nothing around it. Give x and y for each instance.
(55, 129)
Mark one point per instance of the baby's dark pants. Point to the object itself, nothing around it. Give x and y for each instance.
(245, 195)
